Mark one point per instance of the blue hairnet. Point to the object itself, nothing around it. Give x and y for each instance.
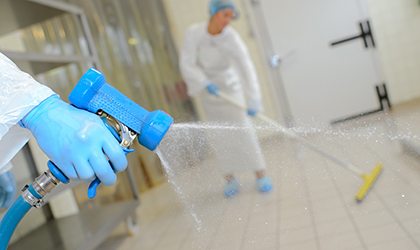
(217, 5)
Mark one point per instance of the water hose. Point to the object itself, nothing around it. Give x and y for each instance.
(368, 179)
(11, 219)
(31, 197)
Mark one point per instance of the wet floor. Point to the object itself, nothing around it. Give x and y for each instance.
(312, 205)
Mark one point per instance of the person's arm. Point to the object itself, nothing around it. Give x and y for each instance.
(19, 94)
(247, 71)
(192, 74)
(76, 141)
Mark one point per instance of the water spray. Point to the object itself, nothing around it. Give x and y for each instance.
(368, 179)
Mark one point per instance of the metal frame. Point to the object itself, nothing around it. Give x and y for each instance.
(48, 9)
(92, 226)
(382, 96)
(278, 90)
(363, 35)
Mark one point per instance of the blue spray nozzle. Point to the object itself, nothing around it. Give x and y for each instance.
(154, 129)
(93, 94)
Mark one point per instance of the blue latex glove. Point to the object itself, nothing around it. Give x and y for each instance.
(254, 107)
(76, 141)
(213, 89)
(7, 189)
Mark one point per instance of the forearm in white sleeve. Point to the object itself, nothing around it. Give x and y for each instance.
(19, 94)
(8, 166)
(192, 74)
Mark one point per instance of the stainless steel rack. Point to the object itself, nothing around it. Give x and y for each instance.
(88, 229)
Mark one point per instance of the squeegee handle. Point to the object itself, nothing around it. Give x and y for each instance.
(259, 115)
(292, 135)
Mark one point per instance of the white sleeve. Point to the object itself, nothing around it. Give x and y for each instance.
(10, 145)
(192, 74)
(6, 168)
(245, 67)
(19, 94)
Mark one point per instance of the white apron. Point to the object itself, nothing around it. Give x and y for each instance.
(236, 149)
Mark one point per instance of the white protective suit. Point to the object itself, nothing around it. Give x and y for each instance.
(19, 94)
(207, 59)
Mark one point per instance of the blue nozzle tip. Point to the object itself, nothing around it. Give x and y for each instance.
(154, 129)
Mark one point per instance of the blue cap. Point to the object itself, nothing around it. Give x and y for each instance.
(218, 5)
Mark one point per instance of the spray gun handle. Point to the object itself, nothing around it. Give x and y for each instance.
(64, 179)
(93, 94)
(95, 183)
(57, 173)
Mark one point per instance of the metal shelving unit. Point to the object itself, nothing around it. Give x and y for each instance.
(83, 231)
(88, 229)
(28, 12)
(41, 62)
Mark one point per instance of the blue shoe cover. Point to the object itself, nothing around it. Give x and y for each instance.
(264, 184)
(232, 188)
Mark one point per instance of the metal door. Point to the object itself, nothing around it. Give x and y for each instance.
(322, 82)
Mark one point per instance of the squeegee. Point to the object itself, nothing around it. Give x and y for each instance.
(368, 179)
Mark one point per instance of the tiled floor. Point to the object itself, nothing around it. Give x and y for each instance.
(312, 205)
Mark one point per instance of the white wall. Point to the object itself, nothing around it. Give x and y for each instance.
(183, 13)
(397, 31)
(396, 24)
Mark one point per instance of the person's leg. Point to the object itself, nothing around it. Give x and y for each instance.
(263, 182)
(232, 185)
(260, 174)
(230, 178)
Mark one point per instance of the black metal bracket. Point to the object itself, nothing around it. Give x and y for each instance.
(365, 31)
(382, 96)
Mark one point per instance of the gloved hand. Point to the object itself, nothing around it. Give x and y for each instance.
(76, 141)
(7, 189)
(213, 89)
(254, 107)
